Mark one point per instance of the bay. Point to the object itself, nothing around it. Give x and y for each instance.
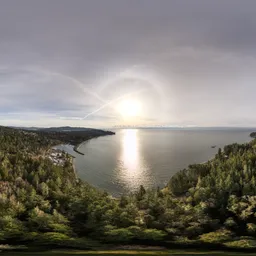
(149, 157)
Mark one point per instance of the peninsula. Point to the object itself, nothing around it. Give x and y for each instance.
(70, 135)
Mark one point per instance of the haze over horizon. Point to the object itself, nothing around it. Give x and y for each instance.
(101, 63)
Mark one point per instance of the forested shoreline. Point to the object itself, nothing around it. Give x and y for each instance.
(212, 204)
(253, 135)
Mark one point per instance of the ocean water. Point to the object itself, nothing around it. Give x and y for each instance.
(148, 157)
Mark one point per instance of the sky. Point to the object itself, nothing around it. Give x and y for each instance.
(102, 63)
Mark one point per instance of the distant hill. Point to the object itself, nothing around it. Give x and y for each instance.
(64, 134)
(56, 129)
(67, 129)
(24, 128)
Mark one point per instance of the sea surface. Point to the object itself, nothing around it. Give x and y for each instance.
(148, 157)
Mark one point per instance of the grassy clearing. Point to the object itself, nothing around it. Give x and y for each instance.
(124, 252)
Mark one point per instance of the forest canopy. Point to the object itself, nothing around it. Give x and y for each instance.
(44, 203)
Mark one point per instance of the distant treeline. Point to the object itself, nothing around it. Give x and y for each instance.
(253, 134)
(70, 135)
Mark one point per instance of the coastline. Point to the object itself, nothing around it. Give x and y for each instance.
(74, 168)
(76, 148)
(164, 184)
(253, 135)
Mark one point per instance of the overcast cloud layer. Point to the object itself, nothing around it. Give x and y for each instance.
(188, 62)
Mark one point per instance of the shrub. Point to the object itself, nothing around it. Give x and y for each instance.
(242, 243)
(54, 238)
(153, 234)
(219, 236)
(119, 235)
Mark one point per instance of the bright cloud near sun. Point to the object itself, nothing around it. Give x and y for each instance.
(129, 108)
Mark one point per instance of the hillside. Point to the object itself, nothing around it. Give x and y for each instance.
(211, 204)
(13, 141)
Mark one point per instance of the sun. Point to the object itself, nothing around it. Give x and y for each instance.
(129, 108)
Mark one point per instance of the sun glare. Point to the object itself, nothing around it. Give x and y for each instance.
(129, 108)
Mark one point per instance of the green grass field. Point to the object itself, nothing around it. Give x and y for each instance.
(125, 252)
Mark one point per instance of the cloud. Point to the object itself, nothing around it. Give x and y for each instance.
(62, 60)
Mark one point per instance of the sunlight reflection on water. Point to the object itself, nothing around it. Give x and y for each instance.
(132, 167)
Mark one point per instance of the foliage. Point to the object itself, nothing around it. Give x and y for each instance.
(242, 243)
(253, 134)
(218, 236)
(43, 203)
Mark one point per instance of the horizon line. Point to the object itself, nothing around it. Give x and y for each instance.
(134, 126)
